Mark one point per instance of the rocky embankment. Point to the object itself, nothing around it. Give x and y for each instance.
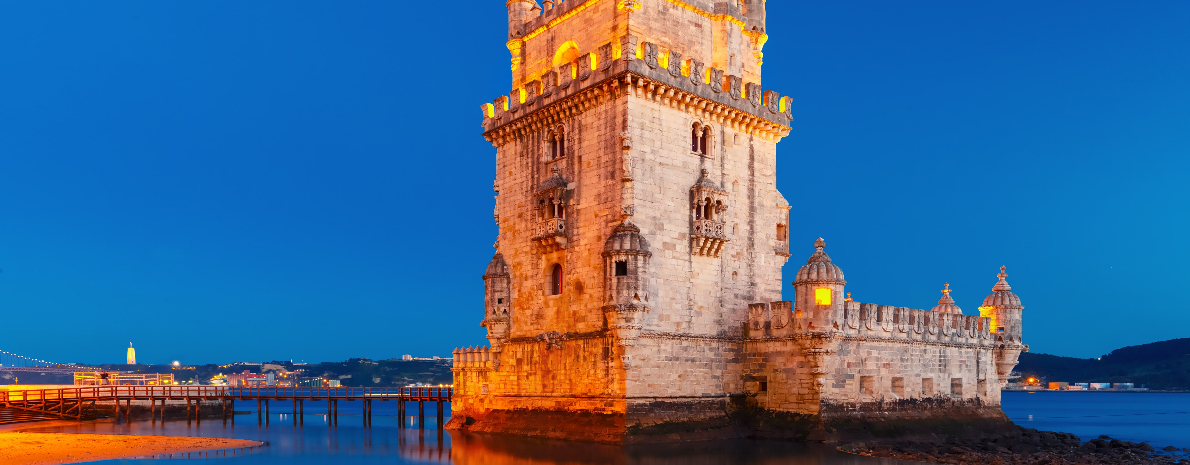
(1026, 447)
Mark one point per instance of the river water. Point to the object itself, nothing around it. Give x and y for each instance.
(1160, 419)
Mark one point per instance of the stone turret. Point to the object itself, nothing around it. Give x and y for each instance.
(519, 12)
(626, 276)
(818, 290)
(497, 301)
(754, 12)
(1004, 308)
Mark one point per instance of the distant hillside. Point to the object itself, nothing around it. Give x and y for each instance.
(1161, 365)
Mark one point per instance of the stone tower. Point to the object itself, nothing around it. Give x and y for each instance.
(635, 288)
(637, 208)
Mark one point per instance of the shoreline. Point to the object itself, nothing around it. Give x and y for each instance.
(29, 448)
(1101, 391)
(1027, 446)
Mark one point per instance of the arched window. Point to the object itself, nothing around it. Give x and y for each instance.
(556, 280)
(708, 211)
(557, 144)
(694, 138)
(781, 232)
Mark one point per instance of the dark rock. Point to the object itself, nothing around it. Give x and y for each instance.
(1089, 445)
(1145, 447)
(1100, 443)
(1170, 449)
(1104, 436)
(1118, 444)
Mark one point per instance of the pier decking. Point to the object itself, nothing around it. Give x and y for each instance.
(72, 403)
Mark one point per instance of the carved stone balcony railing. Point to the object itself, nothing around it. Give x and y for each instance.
(708, 237)
(550, 234)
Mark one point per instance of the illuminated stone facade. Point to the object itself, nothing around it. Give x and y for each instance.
(635, 292)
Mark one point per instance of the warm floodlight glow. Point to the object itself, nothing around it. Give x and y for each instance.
(822, 296)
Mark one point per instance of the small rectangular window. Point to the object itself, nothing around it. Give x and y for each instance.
(822, 296)
(781, 232)
(622, 268)
(499, 301)
(764, 386)
(927, 387)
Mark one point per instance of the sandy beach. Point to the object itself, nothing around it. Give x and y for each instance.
(18, 448)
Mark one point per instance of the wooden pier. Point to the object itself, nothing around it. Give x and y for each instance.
(70, 403)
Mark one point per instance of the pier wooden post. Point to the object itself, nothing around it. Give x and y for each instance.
(259, 412)
(336, 416)
(117, 407)
(223, 408)
(232, 407)
(421, 414)
(198, 411)
(293, 409)
(364, 411)
(369, 413)
(153, 409)
(328, 411)
(302, 412)
(439, 413)
(128, 410)
(266, 412)
(187, 409)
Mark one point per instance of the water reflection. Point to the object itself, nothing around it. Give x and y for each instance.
(315, 439)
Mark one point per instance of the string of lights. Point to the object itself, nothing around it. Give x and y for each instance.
(9, 359)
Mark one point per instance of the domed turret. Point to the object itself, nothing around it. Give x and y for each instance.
(819, 286)
(946, 304)
(819, 269)
(626, 239)
(497, 284)
(1004, 308)
(626, 281)
(1002, 295)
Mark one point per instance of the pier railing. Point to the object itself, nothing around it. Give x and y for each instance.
(101, 393)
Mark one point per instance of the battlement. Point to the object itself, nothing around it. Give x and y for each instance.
(870, 321)
(474, 358)
(653, 72)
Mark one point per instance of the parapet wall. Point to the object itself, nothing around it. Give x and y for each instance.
(777, 320)
(664, 73)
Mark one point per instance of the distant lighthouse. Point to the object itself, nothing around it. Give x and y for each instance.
(131, 354)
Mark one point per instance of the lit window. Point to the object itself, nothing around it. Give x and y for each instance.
(822, 296)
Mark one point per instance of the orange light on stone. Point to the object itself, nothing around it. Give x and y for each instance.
(991, 315)
(822, 296)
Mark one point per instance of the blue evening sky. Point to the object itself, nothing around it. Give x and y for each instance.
(242, 181)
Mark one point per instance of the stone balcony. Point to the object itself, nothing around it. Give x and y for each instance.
(550, 234)
(708, 237)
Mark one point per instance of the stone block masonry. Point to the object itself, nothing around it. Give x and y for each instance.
(635, 292)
